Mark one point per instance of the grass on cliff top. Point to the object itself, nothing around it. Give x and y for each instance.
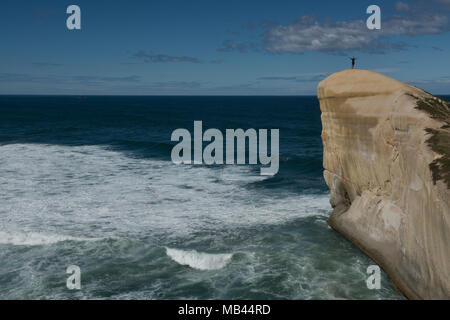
(439, 140)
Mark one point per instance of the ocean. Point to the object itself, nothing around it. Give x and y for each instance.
(88, 181)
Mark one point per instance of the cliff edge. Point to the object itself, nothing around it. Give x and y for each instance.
(387, 164)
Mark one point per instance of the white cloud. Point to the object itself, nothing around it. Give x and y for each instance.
(309, 34)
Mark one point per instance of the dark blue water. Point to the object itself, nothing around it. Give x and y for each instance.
(89, 181)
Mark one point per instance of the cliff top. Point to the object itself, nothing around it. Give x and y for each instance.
(361, 83)
(358, 83)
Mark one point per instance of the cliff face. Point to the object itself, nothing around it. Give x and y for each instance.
(381, 138)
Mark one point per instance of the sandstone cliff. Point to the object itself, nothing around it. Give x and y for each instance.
(387, 164)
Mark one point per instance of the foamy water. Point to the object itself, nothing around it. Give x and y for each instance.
(54, 189)
(92, 200)
(36, 239)
(89, 182)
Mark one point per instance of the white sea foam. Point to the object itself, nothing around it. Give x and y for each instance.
(36, 239)
(199, 260)
(95, 192)
(51, 193)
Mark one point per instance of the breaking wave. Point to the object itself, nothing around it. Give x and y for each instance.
(199, 260)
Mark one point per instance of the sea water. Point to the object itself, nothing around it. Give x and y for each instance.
(88, 181)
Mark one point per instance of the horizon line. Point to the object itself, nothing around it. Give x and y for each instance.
(172, 95)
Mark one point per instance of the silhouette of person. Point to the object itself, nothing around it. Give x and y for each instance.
(353, 62)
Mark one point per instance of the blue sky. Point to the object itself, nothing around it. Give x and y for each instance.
(197, 47)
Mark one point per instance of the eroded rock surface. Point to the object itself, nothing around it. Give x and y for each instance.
(388, 199)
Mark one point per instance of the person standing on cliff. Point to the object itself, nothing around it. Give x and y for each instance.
(353, 62)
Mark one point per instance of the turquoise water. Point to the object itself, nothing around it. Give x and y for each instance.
(89, 182)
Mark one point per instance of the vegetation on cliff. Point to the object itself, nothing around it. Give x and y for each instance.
(439, 140)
